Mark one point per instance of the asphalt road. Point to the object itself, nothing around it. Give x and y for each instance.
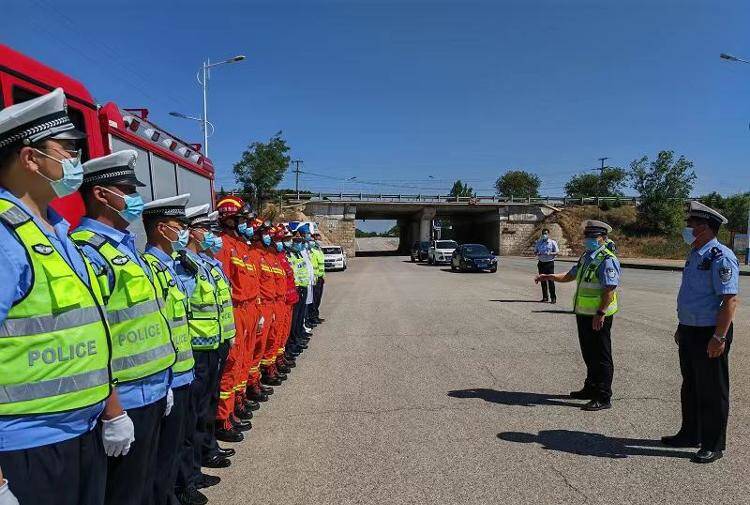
(431, 387)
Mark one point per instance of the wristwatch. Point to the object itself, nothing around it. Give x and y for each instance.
(599, 312)
(720, 339)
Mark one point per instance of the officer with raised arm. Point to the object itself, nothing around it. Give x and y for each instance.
(52, 395)
(597, 275)
(706, 304)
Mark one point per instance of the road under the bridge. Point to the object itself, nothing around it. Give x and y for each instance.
(502, 227)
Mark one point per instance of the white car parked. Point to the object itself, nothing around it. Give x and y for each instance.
(335, 257)
(441, 251)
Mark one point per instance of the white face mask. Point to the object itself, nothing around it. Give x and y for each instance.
(687, 235)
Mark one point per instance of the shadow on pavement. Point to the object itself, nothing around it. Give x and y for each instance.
(520, 398)
(517, 301)
(593, 444)
(553, 311)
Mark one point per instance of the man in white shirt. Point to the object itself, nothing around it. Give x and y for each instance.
(546, 251)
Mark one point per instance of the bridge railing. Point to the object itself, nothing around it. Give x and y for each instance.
(473, 200)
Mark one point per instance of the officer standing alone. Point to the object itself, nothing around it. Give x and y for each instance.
(706, 304)
(597, 275)
(546, 251)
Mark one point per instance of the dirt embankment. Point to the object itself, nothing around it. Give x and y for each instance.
(630, 243)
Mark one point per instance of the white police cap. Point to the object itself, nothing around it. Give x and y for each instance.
(594, 226)
(198, 214)
(172, 206)
(697, 209)
(37, 119)
(115, 168)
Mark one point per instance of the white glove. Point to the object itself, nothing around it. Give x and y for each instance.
(6, 495)
(261, 321)
(117, 435)
(170, 402)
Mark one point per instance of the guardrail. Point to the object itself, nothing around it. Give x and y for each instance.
(475, 200)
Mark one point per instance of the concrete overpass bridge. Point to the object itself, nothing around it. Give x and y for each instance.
(504, 225)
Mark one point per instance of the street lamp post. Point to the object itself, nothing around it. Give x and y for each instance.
(193, 118)
(729, 57)
(202, 77)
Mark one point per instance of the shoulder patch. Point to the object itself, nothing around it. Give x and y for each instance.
(611, 273)
(725, 274)
(43, 249)
(716, 253)
(120, 260)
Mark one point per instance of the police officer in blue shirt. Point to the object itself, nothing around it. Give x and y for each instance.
(546, 251)
(109, 192)
(49, 455)
(706, 305)
(597, 275)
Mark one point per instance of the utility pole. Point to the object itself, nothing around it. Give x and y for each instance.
(601, 175)
(296, 176)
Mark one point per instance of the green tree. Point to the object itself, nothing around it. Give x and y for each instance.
(734, 208)
(394, 231)
(663, 185)
(611, 182)
(460, 189)
(262, 167)
(519, 184)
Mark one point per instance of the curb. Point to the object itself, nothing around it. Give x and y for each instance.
(646, 266)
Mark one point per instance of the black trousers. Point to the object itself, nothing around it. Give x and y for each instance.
(317, 297)
(547, 267)
(596, 349)
(171, 441)
(211, 446)
(130, 478)
(73, 472)
(200, 418)
(705, 388)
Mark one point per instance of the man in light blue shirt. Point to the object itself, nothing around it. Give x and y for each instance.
(706, 304)
(109, 194)
(546, 251)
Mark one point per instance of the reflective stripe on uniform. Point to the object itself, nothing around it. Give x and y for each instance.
(128, 313)
(46, 324)
(142, 358)
(53, 387)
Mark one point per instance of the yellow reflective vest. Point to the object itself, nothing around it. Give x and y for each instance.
(204, 318)
(141, 338)
(588, 295)
(175, 306)
(54, 343)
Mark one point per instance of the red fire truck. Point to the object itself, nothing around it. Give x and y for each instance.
(167, 165)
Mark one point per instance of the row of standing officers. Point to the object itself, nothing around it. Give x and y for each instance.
(123, 369)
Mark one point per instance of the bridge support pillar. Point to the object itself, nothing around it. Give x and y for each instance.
(425, 222)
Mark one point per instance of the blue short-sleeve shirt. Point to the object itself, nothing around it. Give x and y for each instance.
(710, 273)
(546, 250)
(141, 392)
(24, 432)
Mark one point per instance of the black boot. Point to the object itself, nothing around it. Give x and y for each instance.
(229, 434)
(191, 496)
(239, 424)
(242, 413)
(251, 405)
(266, 389)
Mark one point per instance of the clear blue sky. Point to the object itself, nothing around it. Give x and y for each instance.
(398, 91)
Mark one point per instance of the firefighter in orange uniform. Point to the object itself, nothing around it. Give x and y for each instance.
(233, 256)
(273, 343)
(260, 256)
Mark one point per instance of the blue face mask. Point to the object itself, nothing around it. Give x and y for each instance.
(218, 243)
(133, 206)
(242, 229)
(72, 175)
(591, 244)
(308, 236)
(279, 246)
(182, 239)
(266, 240)
(208, 240)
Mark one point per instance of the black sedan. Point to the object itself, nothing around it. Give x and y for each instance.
(473, 257)
(419, 251)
